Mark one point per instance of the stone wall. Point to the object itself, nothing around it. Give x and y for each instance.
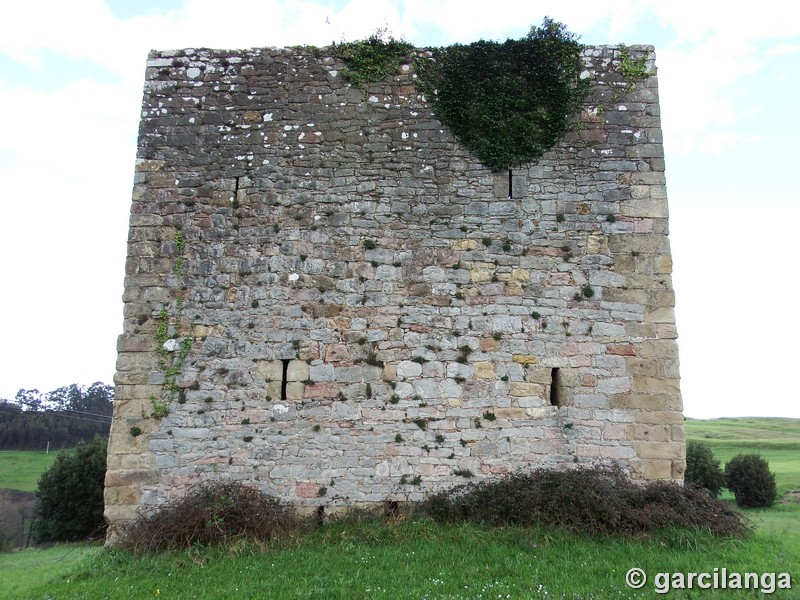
(328, 297)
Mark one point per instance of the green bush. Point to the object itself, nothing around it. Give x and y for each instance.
(69, 495)
(600, 500)
(702, 469)
(749, 478)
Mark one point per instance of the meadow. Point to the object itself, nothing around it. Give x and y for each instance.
(415, 558)
(777, 440)
(20, 470)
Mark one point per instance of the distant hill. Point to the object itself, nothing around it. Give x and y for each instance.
(776, 439)
(57, 419)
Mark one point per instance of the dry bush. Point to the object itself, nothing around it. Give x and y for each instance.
(216, 512)
(591, 500)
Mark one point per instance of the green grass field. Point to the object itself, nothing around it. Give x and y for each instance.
(777, 440)
(20, 470)
(420, 559)
(27, 569)
(407, 559)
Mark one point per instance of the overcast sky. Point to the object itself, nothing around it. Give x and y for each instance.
(71, 76)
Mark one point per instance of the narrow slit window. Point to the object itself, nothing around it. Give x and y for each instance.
(284, 377)
(510, 184)
(555, 388)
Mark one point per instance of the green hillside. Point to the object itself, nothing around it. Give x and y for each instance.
(777, 440)
(20, 470)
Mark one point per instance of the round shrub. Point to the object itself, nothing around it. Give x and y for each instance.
(749, 478)
(69, 496)
(702, 469)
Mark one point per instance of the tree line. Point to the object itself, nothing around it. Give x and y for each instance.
(57, 419)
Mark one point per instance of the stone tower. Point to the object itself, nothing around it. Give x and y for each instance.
(327, 296)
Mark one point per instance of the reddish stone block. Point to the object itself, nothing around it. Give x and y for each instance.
(306, 489)
(622, 350)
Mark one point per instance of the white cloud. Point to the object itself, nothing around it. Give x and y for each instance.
(67, 187)
(783, 50)
(734, 308)
(724, 141)
(704, 70)
(78, 29)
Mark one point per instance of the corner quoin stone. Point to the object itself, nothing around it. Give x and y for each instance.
(322, 283)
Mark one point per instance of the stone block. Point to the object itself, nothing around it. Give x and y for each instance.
(520, 275)
(131, 477)
(663, 415)
(660, 450)
(484, 370)
(269, 370)
(321, 372)
(541, 375)
(525, 359)
(481, 274)
(651, 469)
(510, 413)
(614, 385)
(408, 369)
(597, 243)
(655, 385)
(295, 390)
(465, 245)
(455, 369)
(660, 315)
(524, 388)
(342, 411)
(646, 403)
(650, 432)
(298, 370)
(489, 344)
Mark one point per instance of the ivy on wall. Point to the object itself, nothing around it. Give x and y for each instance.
(507, 103)
(171, 356)
(372, 59)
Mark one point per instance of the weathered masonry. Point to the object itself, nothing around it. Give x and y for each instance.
(327, 296)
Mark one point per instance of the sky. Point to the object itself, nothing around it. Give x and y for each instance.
(71, 76)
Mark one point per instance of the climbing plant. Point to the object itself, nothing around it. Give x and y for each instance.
(372, 59)
(508, 102)
(632, 70)
(171, 355)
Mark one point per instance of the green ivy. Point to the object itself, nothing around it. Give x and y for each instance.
(372, 59)
(170, 362)
(162, 330)
(633, 69)
(508, 103)
(160, 409)
(180, 248)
